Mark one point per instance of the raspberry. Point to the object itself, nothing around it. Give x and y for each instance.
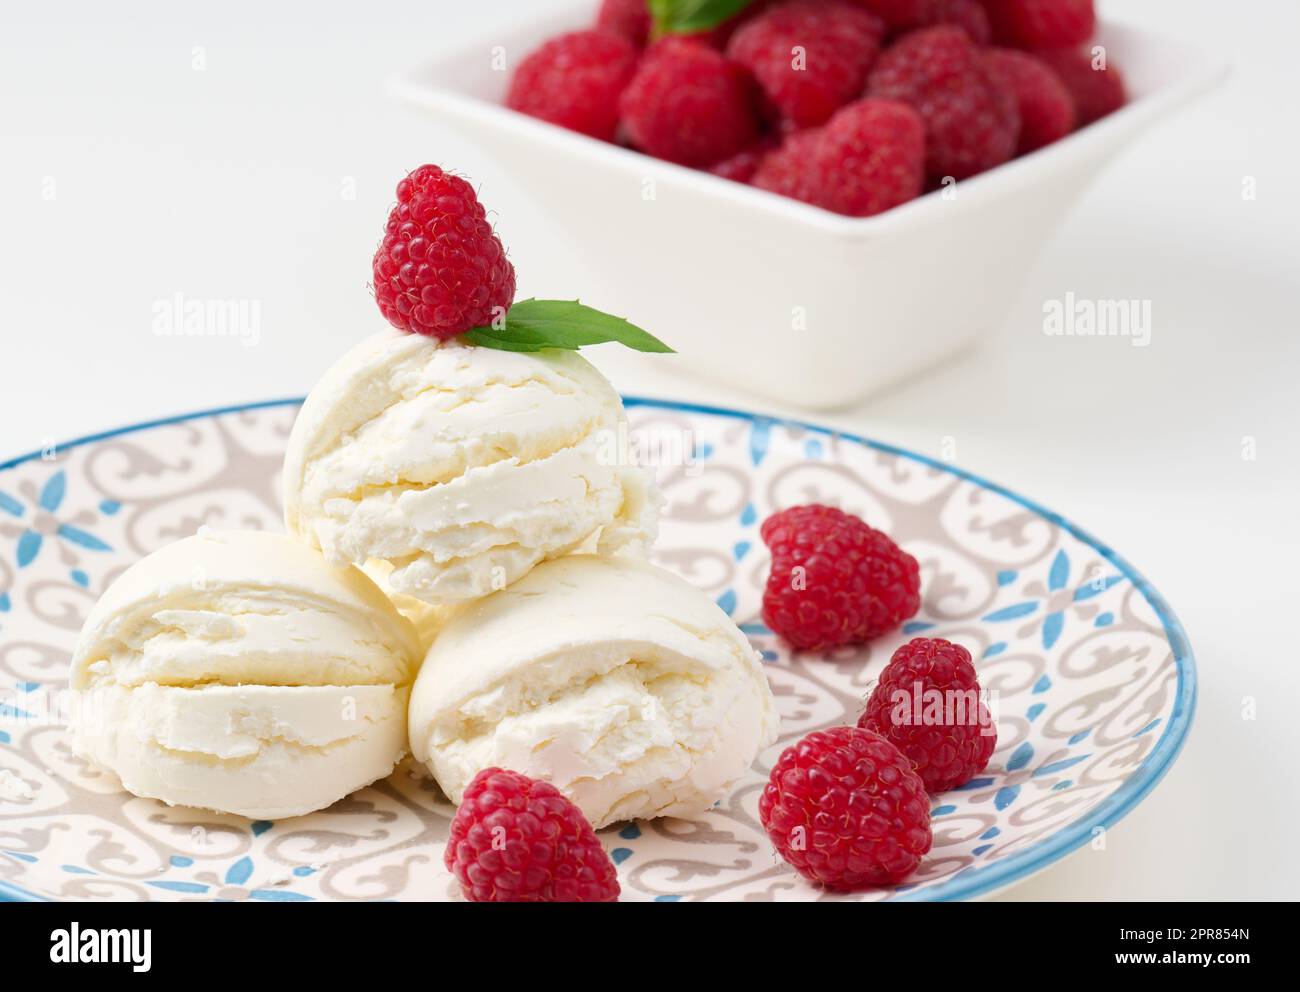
(1041, 23)
(1096, 91)
(853, 581)
(900, 15)
(970, 117)
(927, 704)
(867, 158)
(440, 269)
(966, 14)
(742, 166)
(845, 809)
(720, 35)
(515, 839)
(791, 169)
(688, 104)
(1046, 107)
(575, 81)
(836, 42)
(629, 19)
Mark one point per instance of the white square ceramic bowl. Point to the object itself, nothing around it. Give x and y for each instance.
(731, 275)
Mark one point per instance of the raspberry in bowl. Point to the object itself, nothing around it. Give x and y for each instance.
(842, 286)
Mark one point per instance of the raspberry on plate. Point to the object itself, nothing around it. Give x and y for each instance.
(575, 81)
(867, 158)
(810, 57)
(1097, 86)
(970, 116)
(627, 18)
(1041, 23)
(1046, 107)
(516, 839)
(440, 270)
(688, 104)
(834, 580)
(928, 704)
(846, 810)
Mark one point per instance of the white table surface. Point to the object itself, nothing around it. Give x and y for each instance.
(126, 176)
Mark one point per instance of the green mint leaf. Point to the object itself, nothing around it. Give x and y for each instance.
(691, 16)
(485, 337)
(531, 325)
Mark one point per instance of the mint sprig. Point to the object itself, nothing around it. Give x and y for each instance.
(531, 325)
(691, 16)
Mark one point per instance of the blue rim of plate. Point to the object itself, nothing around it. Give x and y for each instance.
(970, 882)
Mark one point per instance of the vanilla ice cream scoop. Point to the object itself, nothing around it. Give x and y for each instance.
(448, 471)
(618, 682)
(241, 672)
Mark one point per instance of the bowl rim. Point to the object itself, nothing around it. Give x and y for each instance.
(969, 882)
(1200, 71)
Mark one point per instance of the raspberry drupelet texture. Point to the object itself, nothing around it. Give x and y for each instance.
(516, 839)
(1096, 86)
(927, 704)
(869, 157)
(971, 118)
(575, 81)
(688, 104)
(1046, 107)
(628, 18)
(440, 270)
(846, 810)
(1041, 23)
(836, 42)
(834, 580)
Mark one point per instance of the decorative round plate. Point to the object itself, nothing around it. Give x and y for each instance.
(1093, 680)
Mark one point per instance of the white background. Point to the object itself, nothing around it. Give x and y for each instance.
(229, 183)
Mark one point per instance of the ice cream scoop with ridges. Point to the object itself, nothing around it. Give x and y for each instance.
(241, 672)
(448, 471)
(618, 682)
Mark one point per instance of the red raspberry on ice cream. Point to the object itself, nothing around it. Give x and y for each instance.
(440, 269)
(516, 839)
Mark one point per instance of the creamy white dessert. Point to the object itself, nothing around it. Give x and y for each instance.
(618, 682)
(448, 471)
(241, 672)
